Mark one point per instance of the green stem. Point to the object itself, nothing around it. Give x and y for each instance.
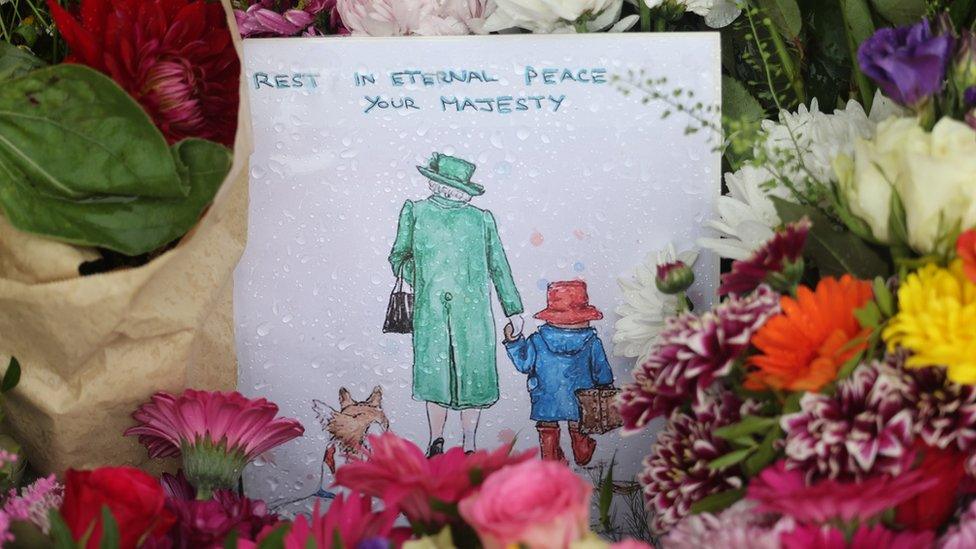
(660, 25)
(787, 61)
(864, 86)
(204, 493)
(580, 25)
(645, 16)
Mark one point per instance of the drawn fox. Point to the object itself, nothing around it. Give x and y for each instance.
(349, 425)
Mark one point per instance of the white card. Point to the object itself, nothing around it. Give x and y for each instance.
(572, 180)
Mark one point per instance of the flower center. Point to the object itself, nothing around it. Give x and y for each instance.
(173, 86)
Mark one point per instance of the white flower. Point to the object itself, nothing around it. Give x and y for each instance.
(646, 309)
(717, 13)
(552, 16)
(801, 147)
(420, 17)
(747, 216)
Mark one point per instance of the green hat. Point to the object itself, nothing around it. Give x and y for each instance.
(452, 172)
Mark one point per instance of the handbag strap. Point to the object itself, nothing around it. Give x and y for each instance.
(398, 285)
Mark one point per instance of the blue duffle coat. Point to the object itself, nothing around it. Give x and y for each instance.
(560, 361)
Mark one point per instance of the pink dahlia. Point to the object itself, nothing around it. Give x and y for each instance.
(397, 471)
(861, 430)
(944, 412)
(676, 473)
(738, 527)
(691, 354)
(781, 490)
(963, 534)
(349, 522)
(779, 263)
(865, 537)
(217, 433)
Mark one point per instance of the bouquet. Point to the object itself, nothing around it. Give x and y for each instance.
(828, 398)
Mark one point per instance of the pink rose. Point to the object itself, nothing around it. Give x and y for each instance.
(537, 504)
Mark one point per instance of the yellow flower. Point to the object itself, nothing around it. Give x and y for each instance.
(937, 321)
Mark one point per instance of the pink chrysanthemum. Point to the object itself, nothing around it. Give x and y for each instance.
(692, 353)
(676, 473)
(944, 412)
(963, 534)
(779, 262)
(862, 430)
(784, 491)
(289, 18)
(398, 472)
(217, 433)
(738, 527)
(865, 537)
(35, 502)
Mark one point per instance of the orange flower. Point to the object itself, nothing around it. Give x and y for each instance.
(804, 346)
(966, 247)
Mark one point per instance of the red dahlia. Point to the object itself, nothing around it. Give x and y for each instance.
(175, 57)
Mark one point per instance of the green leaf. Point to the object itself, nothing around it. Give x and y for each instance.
(835, 249)
(859, 26)
(60, 533)
(792, 404)
(717, 502)
(74, 133)
(230, 542)
(785, 14)
(275, 538)
(11, 377)
(110, 530)
(748, 426)
(730, 459)
(130, 226)
(764, 455)
(606, 495)
(16, 62)
(901, 12)
(963, 13)
(868, 316)
(848, 368)
(738, 103)
(884, 297)
(897, 221)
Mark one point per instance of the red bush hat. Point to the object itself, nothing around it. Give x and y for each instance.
(568, 303)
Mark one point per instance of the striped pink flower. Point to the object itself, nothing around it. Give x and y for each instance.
(217, 433)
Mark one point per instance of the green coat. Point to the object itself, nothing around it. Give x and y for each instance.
(450, 253)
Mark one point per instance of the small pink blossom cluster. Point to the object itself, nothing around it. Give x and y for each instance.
(32, 504)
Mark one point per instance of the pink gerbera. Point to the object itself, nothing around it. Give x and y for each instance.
(397, 471)
(779, 263)
(217, 433)
(780, 490)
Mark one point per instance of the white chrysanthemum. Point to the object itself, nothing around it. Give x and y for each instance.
(558, 16)
(717, 13)
(646, 309)
(801, 147)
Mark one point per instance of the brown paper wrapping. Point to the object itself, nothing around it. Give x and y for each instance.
(93, 348)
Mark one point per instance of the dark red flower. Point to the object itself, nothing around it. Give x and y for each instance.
(779, 263)
(175, 57)
(136, 500)
(932, 508)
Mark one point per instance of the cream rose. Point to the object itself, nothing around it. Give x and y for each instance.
(934, 174)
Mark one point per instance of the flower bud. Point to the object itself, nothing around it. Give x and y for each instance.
(786, 280)
(674, 277)
(964, 69)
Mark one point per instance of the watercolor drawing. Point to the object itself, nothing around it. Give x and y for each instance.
(563, 357)
(450, 253)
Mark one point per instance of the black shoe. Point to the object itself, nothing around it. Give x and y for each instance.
(436, 447)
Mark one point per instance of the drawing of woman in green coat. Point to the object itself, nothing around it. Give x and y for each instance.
(450, 253)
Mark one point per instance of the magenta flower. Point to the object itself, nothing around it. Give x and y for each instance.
(676, 473)
(349, 522)
(274, 18)
(861, 430)
(779, 263)
(692, 353)
(908, 63)
(865, 537)
(217, 433)
(34, 503)
(784, 491)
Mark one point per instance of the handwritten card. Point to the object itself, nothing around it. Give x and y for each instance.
(437, 230)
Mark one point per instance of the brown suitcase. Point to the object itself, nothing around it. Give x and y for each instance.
(598, 415)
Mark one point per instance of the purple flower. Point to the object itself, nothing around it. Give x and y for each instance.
(863, 429)
(693, 352)
(908, 63)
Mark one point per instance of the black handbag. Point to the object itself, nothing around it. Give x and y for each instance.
(399, 313)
